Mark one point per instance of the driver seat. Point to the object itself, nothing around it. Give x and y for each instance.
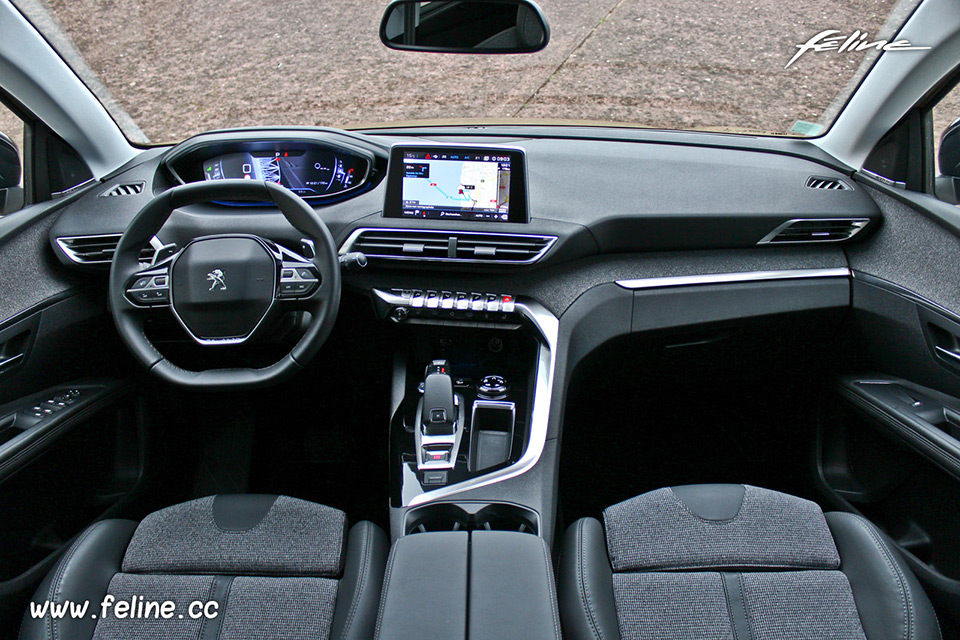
(276, 567)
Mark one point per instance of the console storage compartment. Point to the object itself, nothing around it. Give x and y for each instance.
(477, 584)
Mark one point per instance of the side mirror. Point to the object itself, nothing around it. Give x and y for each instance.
(11, 193)
(465, 26)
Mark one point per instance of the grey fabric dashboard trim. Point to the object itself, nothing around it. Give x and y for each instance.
(295, 537)
(772, 530)
(910, 250)
(29, 272)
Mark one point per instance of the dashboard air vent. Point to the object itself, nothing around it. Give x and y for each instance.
(816, 230)
(830, 184)
(453, 246)
(123, 189)
(98, 250)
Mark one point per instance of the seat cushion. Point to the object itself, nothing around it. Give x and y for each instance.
(240, 535)
(270, 568)
(734, 561)
(762, 528)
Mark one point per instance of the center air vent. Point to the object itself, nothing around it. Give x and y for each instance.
(123, 189)
(97, 250)
(452, 246)
(830, 184)
(815, 230)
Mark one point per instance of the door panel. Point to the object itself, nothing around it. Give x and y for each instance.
(888, 442)
(71, 446)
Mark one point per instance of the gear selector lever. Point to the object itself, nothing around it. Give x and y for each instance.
(439, 414)
(440, 418)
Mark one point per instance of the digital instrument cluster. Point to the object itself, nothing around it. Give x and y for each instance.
(310, 173)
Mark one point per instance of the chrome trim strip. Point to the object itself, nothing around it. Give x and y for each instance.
(549, 328)
(75, 257)
(347, 246)
(857, 224)
(726, 278)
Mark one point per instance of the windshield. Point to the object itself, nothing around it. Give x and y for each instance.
(168, 70)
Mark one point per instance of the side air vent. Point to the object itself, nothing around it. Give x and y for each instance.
(452, 246)
(98, 250)
(816, 230)
(124, 189)
(830, 184)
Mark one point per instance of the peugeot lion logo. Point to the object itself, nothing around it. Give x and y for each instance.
(216, 280)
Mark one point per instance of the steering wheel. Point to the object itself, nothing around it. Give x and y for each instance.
(224, 289)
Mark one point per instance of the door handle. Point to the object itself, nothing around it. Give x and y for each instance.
(10, 362)
(945, 353)
(13, 351)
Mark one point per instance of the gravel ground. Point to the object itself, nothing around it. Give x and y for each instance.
(179, 68)
(184, 67)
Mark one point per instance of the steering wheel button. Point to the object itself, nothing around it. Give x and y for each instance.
(160, 281)
(305, 274)
(141, 283)
(287, 274)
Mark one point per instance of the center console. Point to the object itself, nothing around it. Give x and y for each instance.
(471, 390)
(477, 585)
(472, 383)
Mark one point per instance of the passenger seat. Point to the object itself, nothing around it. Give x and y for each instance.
(735, 561)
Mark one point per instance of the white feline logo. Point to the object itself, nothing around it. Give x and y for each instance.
(216, 279)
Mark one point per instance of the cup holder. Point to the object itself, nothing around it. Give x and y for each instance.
(471, 516)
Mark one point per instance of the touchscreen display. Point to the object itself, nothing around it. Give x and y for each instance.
(456, 184)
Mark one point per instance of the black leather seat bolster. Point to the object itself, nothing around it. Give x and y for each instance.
(585, 589)
(82, 574)
(358, 594)
(890, 600)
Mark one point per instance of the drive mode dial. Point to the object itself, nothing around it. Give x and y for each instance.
(493, 387)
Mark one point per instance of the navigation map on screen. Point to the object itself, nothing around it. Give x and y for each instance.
(462, 186)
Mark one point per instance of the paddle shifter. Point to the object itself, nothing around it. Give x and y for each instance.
(440, 417)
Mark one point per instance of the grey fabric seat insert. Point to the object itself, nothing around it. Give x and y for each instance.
(276, 546)
(667, 559)
(294, 537)
(656, 530)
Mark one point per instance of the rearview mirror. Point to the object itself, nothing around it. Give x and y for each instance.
(11, 193)
(947, 185)
(464, 26)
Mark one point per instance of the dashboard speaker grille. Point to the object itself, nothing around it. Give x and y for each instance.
(97, 250)
(816, 230)
(453, 246)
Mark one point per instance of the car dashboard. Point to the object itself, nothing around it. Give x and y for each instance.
(568, 198)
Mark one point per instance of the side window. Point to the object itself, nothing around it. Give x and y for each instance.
(11, 161)
(946, 146)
